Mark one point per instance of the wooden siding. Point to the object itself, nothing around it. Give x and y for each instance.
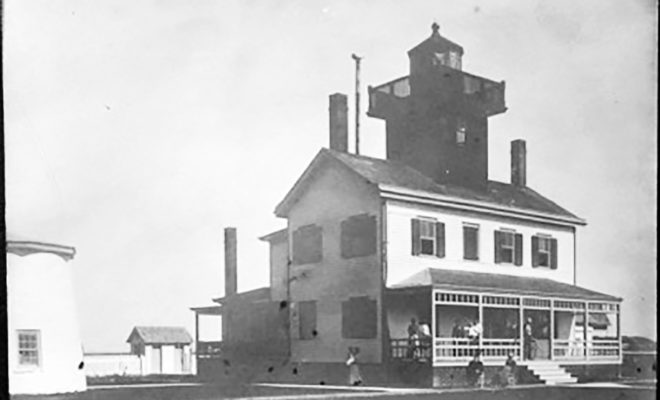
(402, 264)
(335, 195)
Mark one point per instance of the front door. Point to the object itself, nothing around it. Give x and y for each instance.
(156, 360)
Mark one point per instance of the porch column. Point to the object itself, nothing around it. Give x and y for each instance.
(481, 321)
(521, 331)
(433, 326)
(552, 330)
(586, 330)
(618, 332)
(196, 336)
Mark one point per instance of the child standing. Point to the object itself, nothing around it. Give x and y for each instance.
(354, 377)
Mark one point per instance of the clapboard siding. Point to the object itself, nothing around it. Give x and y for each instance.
(402, 264)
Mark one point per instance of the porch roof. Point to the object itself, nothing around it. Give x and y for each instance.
(499, 283)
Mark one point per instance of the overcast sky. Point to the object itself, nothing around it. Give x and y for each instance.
(137, 130)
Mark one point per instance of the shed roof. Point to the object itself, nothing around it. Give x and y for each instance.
(160, 335)
(499, 283)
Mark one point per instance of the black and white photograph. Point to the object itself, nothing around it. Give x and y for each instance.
(330, 199)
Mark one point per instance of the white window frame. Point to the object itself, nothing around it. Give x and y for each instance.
(454, 60)
(432, 237)
(544, 249)
(36, 334)
(508, 247)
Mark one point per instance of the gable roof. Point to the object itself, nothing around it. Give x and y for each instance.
(396, 177)
(498, 283)
(160, 335)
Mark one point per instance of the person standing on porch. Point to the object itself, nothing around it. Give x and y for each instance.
(528, 340)
(474, 332)
(354, 376)
(413, 338)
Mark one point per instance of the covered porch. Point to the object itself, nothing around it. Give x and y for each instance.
(450, 302)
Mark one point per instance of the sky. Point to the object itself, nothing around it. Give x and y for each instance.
(136, 131)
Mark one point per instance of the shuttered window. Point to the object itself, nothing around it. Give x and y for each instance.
(470, 242)
(358, 236)
(508, 248)
(544, 252)
(307, 245)
(359, 318)
(428, 237)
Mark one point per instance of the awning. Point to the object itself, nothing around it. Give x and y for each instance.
(498, 283)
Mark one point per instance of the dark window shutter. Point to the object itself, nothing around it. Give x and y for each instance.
(346, 242)
(416, 244)
(439, 239)
(498, 247)
(553, 253)
(518, 244)
(535, 251)
(470, 243)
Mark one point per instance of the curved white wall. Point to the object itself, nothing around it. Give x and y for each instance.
(41, 297)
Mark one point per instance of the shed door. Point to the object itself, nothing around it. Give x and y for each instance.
(178, 359)
(156, 360)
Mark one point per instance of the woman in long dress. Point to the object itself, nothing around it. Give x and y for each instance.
(354, 377)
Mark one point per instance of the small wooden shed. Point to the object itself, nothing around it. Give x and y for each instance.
(161, 349)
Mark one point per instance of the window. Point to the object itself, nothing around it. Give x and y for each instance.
(428, 237)
(471, 242)
(358, 236)
(508, 247)
(439, 59)
(307, 320)
(307, 245)
(454, 60)
(28, 348)
(359, 318)
(544, 252)
(461, 132)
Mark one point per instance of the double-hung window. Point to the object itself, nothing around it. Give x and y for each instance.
(544, 251)
(508, 247)
(29, 348)
(428, 237)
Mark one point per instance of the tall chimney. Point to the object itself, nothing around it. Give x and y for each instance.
(518, 163)
(231, 281)
(339, 122)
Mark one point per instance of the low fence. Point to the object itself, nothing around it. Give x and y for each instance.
(104, 364)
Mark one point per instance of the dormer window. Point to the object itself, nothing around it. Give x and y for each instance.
(461, 131)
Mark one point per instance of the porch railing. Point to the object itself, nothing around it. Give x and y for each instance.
(407, 349)
(577, 349)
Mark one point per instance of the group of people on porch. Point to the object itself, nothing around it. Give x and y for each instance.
(419, 338)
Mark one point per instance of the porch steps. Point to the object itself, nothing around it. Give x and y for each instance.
(549, 372)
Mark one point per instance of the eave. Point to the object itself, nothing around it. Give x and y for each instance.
(420, 197)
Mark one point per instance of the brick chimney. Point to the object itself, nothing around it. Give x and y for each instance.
(339, 122)
(231, 280)
(518, 163)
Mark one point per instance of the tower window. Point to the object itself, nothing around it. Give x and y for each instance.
(461, 131)
(454, 60)
(439, 59)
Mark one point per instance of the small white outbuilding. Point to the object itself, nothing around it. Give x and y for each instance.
(45, 352)
(161, 349)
